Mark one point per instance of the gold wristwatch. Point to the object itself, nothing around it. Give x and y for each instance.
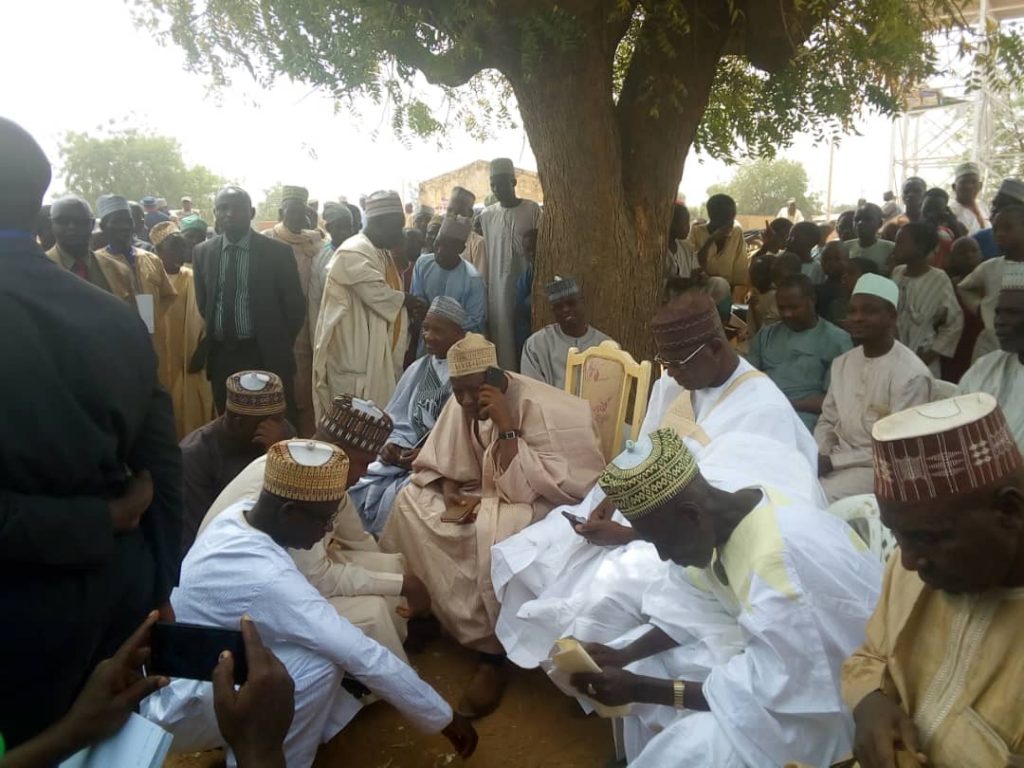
(678, 692)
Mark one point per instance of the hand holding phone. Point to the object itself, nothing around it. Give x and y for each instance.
(574, 520)
(191, 651)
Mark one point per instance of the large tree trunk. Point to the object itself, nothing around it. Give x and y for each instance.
(610, 170)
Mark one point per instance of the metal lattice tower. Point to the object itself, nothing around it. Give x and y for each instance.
(945, 124)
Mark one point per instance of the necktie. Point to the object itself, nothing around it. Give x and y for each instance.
(80, 268)
(228, 326)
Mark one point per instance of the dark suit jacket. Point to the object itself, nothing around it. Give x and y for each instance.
(79, 405)
(276, 300)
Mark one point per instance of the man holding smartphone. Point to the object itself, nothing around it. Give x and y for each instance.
(506, 449)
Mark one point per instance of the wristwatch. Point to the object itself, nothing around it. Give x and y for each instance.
(678, 692)
(512, 434)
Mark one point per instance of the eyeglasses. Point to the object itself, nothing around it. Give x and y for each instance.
(678, 363)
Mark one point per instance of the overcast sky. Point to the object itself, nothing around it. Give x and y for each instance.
(70, 59)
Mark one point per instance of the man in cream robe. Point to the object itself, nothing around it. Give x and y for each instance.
(182, 333)
(499, 458)
(941, 672)
(879, 377)
(347, 567)
(306, 244)
(544, 575)
(363, 329)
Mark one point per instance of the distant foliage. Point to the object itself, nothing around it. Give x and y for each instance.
(764, 186)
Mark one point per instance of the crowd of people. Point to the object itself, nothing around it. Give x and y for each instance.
(342, 435)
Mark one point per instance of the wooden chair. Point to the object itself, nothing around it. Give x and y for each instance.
(617, 388)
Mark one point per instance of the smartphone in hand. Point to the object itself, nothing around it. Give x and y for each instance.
(191, 651)
(574, 520)
(494, 377)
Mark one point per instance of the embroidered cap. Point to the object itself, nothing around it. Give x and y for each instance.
(108, 204)
(162, 231)
(306, 470)
(1013, 188)
(356, 424)
(650, 472)
(1013, 276)
(687, 321)
(472, 354)
(941, 449)
(382, 203)
(255, 393)
(455, 227)
(561, 288)
(502, 166)
(449, 309)
(966, 169)
(337, 212)
(295, 193)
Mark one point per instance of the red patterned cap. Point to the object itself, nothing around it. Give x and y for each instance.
(941, 449)
(688, 320)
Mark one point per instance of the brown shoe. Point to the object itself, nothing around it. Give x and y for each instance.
(484, 693)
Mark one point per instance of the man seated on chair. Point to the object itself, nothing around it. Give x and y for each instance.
(546, 351)
(419, 397)
(879, 377)
(505, 450)
(798, 351)
(347, 567)
(938, 681)
(769, 596)
(240, 566)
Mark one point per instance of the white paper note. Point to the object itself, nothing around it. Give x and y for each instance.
(144, 302)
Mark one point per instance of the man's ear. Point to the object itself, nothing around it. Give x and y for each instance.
(1009, 502)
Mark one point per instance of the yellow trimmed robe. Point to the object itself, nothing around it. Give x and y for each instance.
(954, 662)
(180, 332)
(559, 460)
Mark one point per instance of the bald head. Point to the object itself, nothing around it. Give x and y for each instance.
(24, 177)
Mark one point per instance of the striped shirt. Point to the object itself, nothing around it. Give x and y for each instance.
(240, 262)
(930, 317)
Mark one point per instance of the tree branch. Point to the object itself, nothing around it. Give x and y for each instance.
(452, 68)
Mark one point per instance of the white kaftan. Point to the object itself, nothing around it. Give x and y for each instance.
(968, 218)
(1001, 374)
(363, 329)
(800, 585)
(419, 397)
(981, 288)
(545, 352)
(864, 390)
(346, 566)
(545, 576)
(233, 570)
(930, 317)
(503, 234)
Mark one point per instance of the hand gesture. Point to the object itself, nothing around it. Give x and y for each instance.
(604, 656)
(391, 454)
(606, 533)
(113, 691)
(407, 457)
(824, 465)
(611, 686)
(603, 511)
(458, 504)
(416, 596)
(494, 406)
(882, 728)
(462, 735)
(720, 235)
(416, 308)
(272, 429)
(126, 511)
(255, 719)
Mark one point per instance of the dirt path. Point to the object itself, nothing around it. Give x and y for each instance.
(535, 727)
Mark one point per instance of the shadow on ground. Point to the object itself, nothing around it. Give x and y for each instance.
(535, 727)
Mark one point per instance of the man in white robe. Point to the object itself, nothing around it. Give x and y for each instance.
(929, 319)
(365, 585)
(545, 352)
(422, 392)
(504, 223)
(241, 567)
(543, 575)
(966, 206)
(879, 377)
(799, 586)
(1001, 373)
(363, 329)
(505, 450)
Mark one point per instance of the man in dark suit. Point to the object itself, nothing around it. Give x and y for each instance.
(248, 291)
(90, 472)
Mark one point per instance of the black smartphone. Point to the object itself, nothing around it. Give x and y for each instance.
(495, 377)
(191, 651)
(574, 520)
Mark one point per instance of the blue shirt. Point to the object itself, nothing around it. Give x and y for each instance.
(986, 240)
(462, 283)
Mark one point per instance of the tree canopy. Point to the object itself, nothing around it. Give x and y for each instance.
(612, 93)
(764, 186)
(133, 164)
(267, 209)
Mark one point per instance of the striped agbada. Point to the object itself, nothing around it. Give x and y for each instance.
(929, 315)
(981, 289)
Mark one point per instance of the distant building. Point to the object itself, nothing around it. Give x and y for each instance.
(476, 177)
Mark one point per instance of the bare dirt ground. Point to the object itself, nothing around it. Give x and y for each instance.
(535, 727)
